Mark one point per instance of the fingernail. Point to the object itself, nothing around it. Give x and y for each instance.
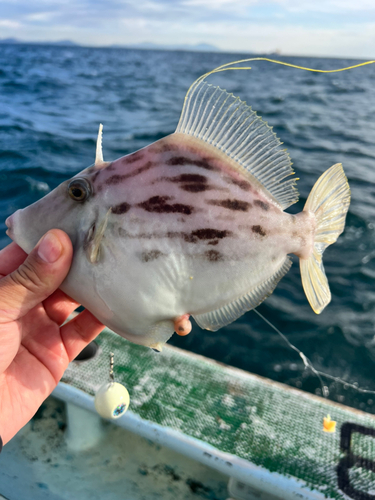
(49, 248)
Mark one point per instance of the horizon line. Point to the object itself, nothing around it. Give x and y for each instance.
(164, 47)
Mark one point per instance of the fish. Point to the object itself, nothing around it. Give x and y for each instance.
(192, 225)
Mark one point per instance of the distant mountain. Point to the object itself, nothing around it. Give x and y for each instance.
(63, 43)
(199, 47)
(9, 40)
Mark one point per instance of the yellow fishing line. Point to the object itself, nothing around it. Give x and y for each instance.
(229, 67)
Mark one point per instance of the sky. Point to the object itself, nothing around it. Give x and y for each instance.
(340, 28)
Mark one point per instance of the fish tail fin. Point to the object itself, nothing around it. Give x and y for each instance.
(329, 200)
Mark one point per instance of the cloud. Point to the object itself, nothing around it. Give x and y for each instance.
(40, 17)
(239, 5)
(329, 27)
(332, 6)
(8, 23)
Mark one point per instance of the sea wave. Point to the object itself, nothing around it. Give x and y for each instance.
(53, 100)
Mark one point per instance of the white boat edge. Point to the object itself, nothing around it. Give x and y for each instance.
(271, 483)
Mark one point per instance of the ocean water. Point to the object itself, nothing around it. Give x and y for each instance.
(53, 98)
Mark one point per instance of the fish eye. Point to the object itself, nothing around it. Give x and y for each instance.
(79, 189)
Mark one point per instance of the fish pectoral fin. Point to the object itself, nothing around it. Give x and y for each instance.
(225, 315)
(95, 240)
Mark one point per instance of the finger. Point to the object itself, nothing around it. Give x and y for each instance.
(59, 306)
(79, 332)
(37, 277)
(11, 257)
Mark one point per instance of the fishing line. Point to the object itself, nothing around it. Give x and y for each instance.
(229, 67)
(308, 364)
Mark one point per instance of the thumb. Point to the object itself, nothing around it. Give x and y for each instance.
(39, 276)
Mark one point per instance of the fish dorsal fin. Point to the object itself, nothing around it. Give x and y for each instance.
(224, 121)
(225, 315)
(99, 152)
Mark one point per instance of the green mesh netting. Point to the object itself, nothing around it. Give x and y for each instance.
(268, 424)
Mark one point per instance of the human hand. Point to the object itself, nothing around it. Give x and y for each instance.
(34, 349)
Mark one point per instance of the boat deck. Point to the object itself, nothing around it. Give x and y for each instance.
(264, 435)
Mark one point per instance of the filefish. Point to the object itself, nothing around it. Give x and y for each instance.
(193, 224)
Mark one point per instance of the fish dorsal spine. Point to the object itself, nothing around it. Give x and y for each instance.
(224, 121)
(99, 151)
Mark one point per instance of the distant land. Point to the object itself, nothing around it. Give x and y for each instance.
(199, 47)
(64, 43)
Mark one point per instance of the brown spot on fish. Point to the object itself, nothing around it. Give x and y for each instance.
(95, 176)
(258, 230)
(158, 204)
(242, 206)
(210, 234)
(122, 208)
(163, 148)
(117, 179)
(264, 206)
(141, 169)
(189, 178)
(169, 147)
(193, 237)
(138, 155)
(110, 167)
(192, 183)
(195, 188)
(213, 255)
(244, 185)
(189, 238)
(183, 160)
(151, 255)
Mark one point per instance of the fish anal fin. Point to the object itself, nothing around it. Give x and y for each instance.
(225, 315)
(159, 334)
